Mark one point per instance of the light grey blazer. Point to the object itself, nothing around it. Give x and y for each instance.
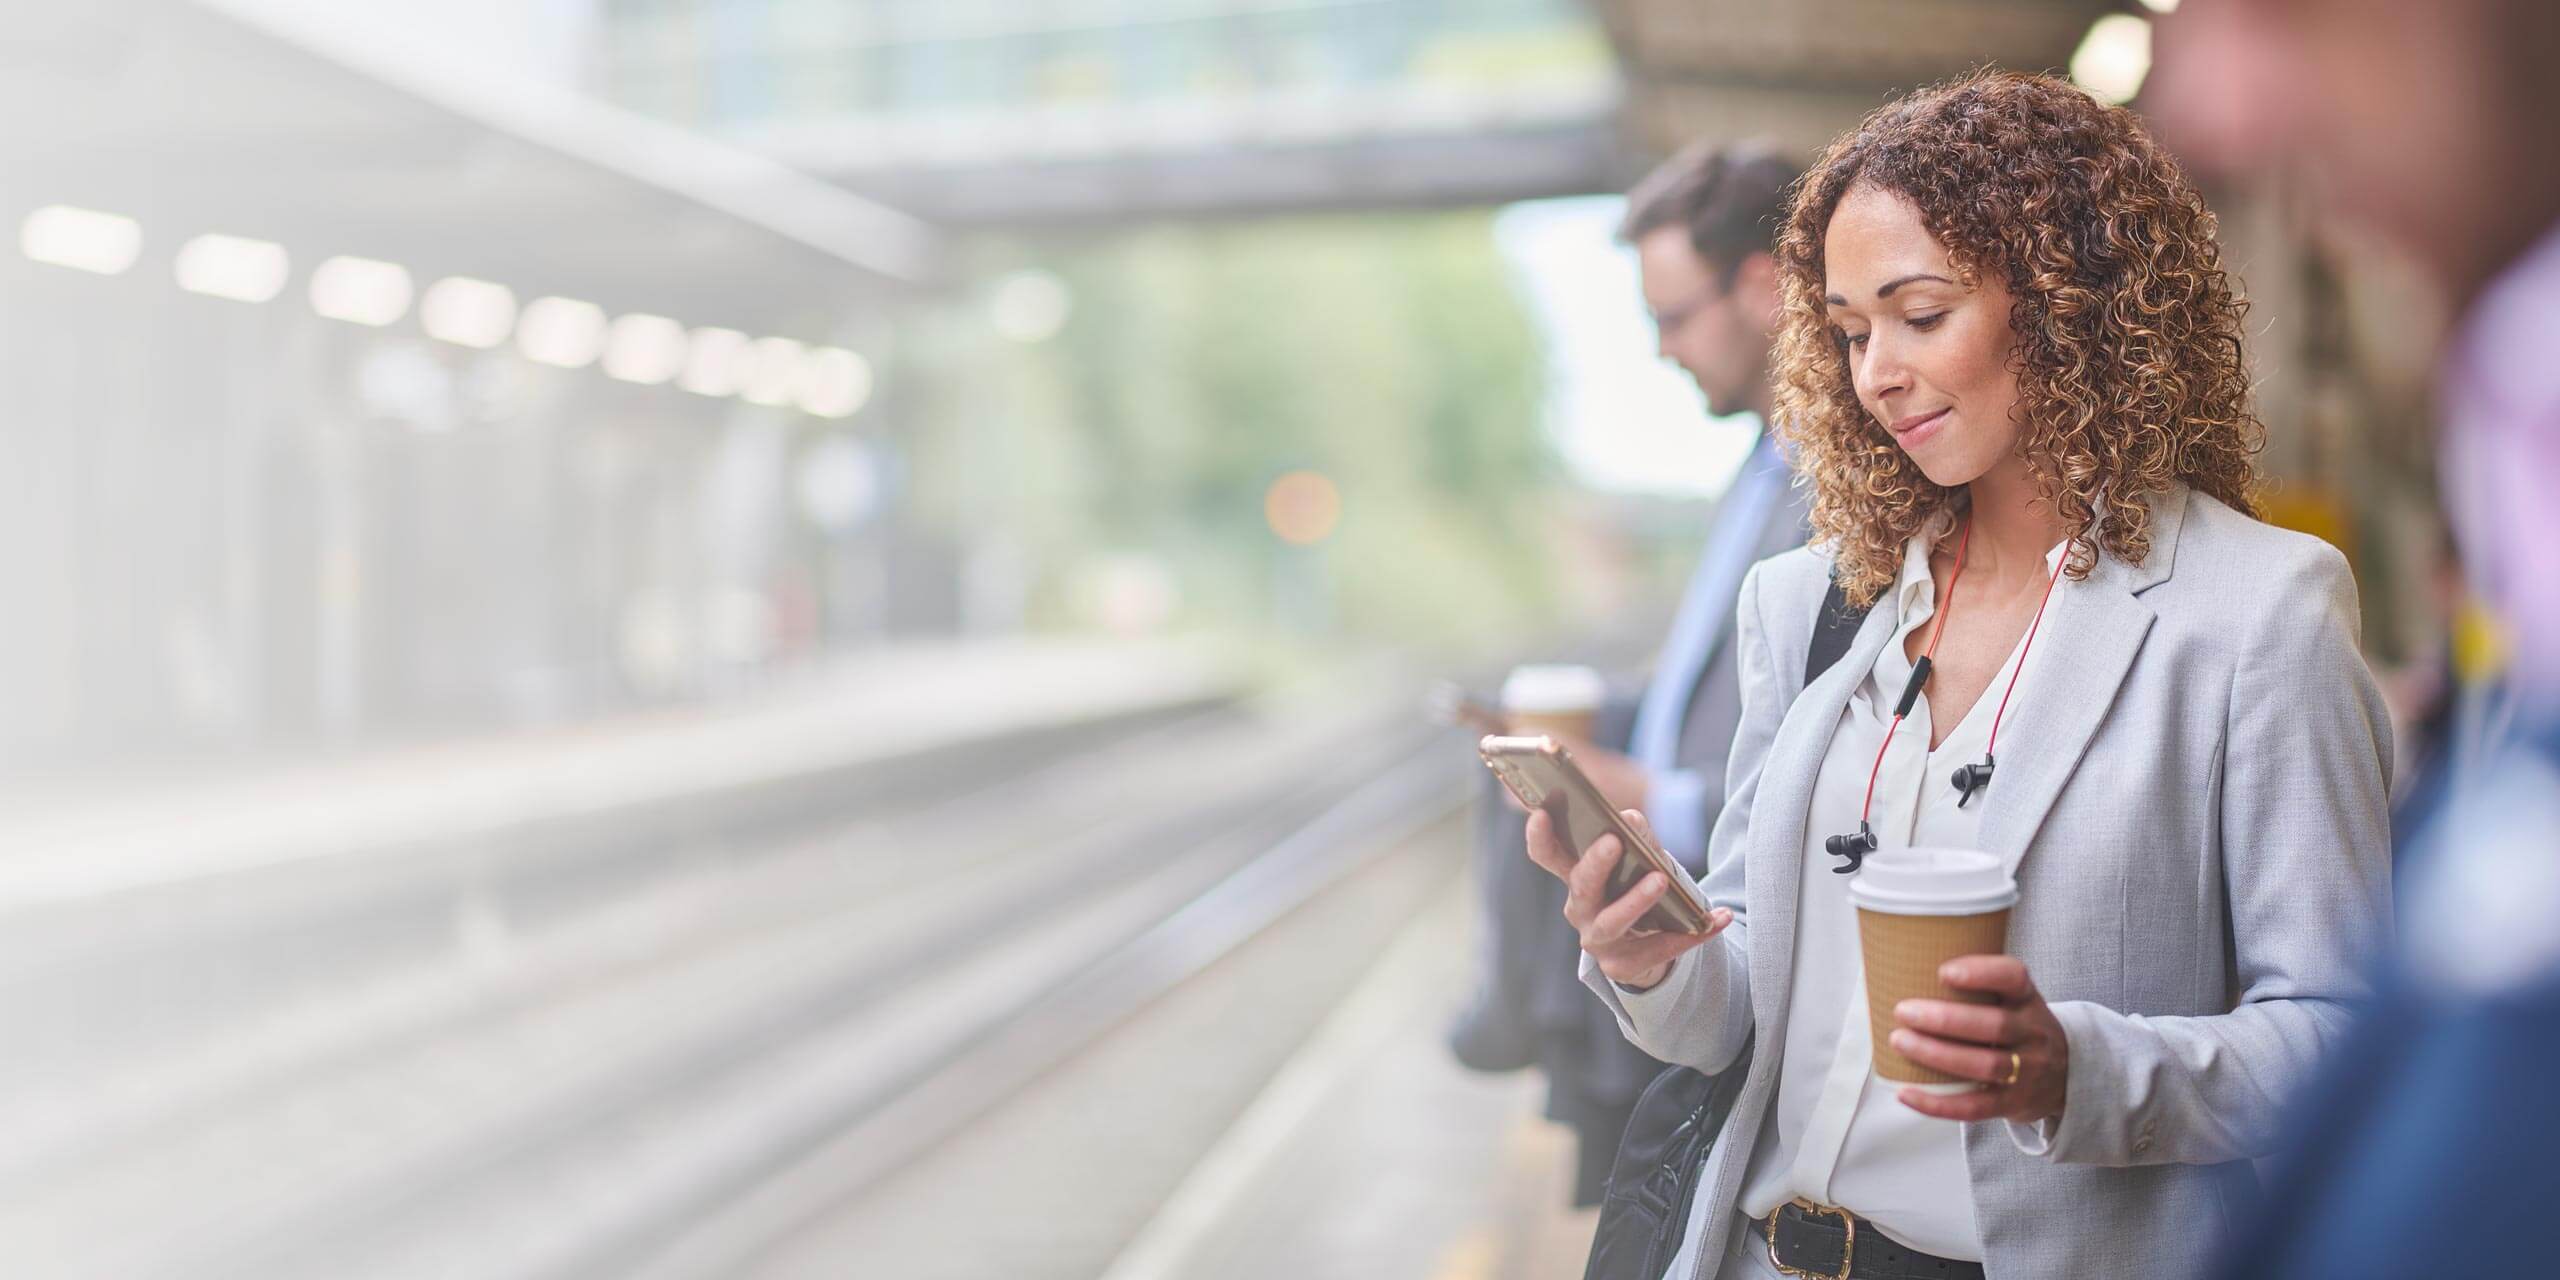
(2194, 791)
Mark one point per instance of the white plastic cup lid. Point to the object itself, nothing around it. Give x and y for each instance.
(1554, 688)
(1932, 882)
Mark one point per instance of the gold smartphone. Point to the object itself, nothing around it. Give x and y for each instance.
(1541, 774)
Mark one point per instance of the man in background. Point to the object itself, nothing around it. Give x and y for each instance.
(1701, 226)
(2428, 1148)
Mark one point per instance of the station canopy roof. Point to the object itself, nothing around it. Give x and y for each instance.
(1801, 72)
(293, 124)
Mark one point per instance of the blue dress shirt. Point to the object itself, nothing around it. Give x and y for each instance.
(1675, 800)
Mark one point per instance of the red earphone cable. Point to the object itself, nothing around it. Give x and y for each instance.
(1992, 747)
(1929, 655)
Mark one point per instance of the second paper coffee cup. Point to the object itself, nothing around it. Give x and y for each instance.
(1918, 909)
(1560, 700)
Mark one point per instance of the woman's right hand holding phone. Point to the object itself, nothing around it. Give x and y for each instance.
(1608, 929)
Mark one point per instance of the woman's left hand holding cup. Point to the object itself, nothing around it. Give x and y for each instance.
(2014, 1046)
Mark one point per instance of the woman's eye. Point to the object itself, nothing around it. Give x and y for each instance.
(1848, 340)
(1927, 322)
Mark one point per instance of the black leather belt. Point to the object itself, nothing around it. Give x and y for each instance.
(1808, 1239)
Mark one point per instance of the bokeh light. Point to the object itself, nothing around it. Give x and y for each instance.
(1302, 507)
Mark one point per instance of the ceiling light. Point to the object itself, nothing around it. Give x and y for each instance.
(773, 370)
(644, 348)
(232, 267)
(360, 290)
(565, 333)
(834, 383)
(2113, 58)
(82, 239)
(714, 362)
(468, 312)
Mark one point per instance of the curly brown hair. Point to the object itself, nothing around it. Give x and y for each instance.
(2128, 353)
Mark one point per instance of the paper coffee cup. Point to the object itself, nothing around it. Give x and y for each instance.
(1918, 909)
(1561, 701)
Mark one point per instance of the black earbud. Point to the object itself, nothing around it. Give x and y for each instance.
(1852, 848)
(1971, 778)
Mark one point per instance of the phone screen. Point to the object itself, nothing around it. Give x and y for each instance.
(1549, 781)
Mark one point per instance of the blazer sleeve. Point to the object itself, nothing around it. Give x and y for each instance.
(2305, 855)
(1699, 1015)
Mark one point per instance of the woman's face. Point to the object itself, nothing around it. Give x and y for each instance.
(1929, 354)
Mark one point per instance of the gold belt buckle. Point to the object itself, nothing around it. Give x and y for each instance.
(1848, 1245)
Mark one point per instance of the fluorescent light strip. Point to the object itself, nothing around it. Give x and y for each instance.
(645, 349)
(468, 313)
(233, 267)
(715, 362)
(81, 239)
(360, 291)
(834, 383)
(565, 333)
(773, 372)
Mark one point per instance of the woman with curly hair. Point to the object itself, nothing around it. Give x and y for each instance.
(2012, 362)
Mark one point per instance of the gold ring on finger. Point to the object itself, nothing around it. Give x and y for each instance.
(2012, 1077)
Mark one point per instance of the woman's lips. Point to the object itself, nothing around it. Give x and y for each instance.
(1911, 432)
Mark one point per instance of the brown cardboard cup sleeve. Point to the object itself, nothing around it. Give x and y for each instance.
(1918, 909)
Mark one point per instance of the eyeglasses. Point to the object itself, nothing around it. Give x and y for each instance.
(1717, 290)
(1677, 318)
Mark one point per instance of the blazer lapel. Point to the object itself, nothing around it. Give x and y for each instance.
(2089, 645)
(1776, 841)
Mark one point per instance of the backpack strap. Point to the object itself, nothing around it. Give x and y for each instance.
(1833, 628)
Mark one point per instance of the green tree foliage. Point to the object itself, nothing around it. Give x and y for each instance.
(1389, 353)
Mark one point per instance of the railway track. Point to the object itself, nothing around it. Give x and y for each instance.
(657, 1058)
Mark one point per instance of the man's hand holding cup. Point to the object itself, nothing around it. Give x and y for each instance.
(1630, 958)
(1563, 702)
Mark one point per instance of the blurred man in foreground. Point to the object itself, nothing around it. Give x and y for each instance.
(1701, 225)
(2434, 1147)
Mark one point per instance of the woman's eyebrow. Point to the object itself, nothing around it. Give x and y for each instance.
(1889, 286)
(1886, 291)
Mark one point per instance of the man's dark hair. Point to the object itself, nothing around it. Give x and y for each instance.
(1733, 199)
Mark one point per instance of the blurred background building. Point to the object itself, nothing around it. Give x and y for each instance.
(987, 113)
(1024, 309)
(359, 391)
(554, 545)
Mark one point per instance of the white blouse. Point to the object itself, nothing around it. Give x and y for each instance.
(1840, 1135)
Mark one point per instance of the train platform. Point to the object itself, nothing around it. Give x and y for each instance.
(886, 715)
(1292, 1112)
(1372, 1153)
(1153, 965)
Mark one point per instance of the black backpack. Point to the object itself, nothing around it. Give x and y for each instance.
(1645, 1212)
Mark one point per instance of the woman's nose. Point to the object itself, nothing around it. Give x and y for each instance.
(1880, 370)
